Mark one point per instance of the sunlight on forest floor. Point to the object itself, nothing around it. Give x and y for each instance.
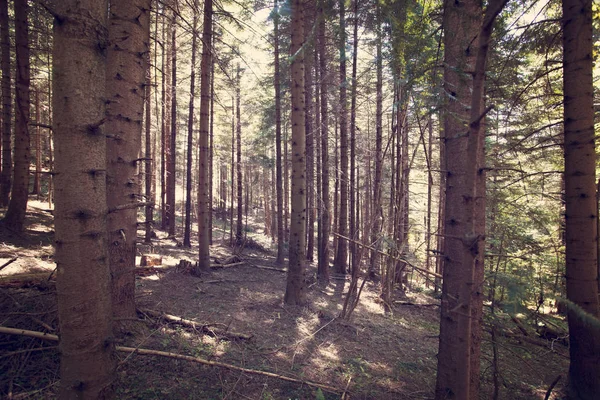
(374, 356)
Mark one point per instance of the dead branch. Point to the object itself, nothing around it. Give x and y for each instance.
(383, 253)
(549, 391)
(235, 264)
(209, 329)
(131, 205)
(6, 264)
(410, 303)
(131, 350)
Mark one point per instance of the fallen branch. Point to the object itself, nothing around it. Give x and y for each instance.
(549, 391)
(410, 303)
(235, 264)
(206, 328)
(6, 264)
(131, 350)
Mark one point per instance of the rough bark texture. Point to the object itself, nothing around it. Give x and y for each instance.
(278, 155)
(341, 257)
(188, 182)
(310, 162)
(377, 208)
(83, 279)
(172, 160)
(461, 25)
(581, 211)
(15, 215)
(295, 290)
(323, 267)
(238, 161)
(125, 78)
(149, 163)
(203, 186)
(6, 175)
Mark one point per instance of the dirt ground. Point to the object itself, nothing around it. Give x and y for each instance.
(372, 356)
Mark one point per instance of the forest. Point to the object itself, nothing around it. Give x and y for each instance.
(299, 199)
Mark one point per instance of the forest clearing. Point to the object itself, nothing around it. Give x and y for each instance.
(299, 199)
(241, 321)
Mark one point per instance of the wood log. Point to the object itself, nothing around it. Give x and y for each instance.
(151, 260)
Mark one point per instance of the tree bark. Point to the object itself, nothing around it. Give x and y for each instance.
(377, 207)
(341, 257)
(6, 175)
(323, 267)
(190, 139)
(172, 159)
(278, 139)
(125, 77)
(83, 278)
(581, 211)
(238, 162)
(148, 153)
(295, 289)
(204, 211)
(310, 162)
(17, 207)
(461, 24)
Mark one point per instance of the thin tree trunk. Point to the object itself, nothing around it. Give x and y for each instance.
(353, 179)
(172, 161)
(278, 139)
(341, 257)
(238, 163)
(17, 206)
(190, 139)
(204, 212)
(148, 148)
(6, 175)
(87, 365)
(377, 207)
(211, 147)
(38, 148)
(295, 290)
(310, 162)
(323, 267)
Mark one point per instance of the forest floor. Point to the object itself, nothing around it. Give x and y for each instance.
(373, 356)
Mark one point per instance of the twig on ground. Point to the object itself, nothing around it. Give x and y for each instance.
(6, 264)
(206, 328)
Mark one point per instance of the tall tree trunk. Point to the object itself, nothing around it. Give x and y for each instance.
(165, 106)
(278, 139)
(341, 257)
(377, 206)
(38, 147)
(204, 212)
(460, 326)
(295, 291)
(310, 162)
(190, 138)
(172, 160)
(125, 77)
(6, 175)
(211, 148)
(353, 179)
(87, 365)
(15, 215)
(148, 153)
(453, 374)
(323, 267)
(238, 163)
(581, 211)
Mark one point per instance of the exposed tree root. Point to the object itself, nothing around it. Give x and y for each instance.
(122, 349)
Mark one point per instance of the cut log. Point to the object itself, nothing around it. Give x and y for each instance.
(151, 260)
